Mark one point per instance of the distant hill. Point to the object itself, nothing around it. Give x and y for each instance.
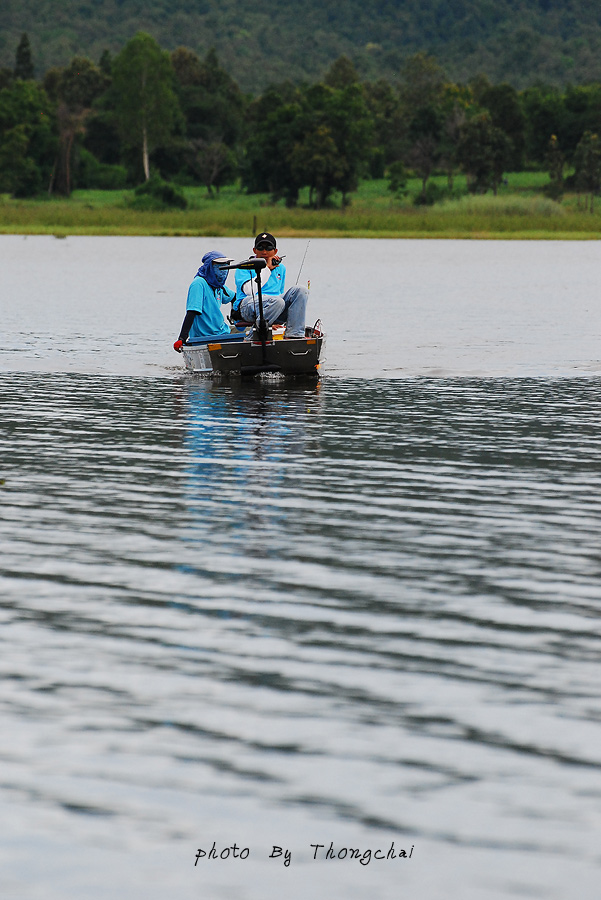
(521, 41)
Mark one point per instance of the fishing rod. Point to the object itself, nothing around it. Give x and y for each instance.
(302, 264)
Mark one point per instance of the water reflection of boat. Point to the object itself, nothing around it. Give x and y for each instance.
(255, 349)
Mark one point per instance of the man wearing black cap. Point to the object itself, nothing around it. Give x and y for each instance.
(279, 305)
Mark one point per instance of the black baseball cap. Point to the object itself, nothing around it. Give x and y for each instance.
(265, 241)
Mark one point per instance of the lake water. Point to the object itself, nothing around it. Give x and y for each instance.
(363, 612)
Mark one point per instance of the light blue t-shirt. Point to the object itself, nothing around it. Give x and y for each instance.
(273, 287)
(206, 301)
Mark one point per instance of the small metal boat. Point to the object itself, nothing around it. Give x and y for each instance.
(255, 349)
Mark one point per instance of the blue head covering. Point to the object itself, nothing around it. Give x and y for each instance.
(211, 274)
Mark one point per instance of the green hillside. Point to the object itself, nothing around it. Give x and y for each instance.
(520, 41)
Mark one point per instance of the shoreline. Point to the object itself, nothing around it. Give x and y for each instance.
(476, 234)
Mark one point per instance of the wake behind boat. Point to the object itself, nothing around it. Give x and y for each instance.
(255, 349)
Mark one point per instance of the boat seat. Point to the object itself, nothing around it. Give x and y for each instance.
(214, 339)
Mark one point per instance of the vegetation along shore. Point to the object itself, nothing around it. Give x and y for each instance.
(158, 143)
(511, 215)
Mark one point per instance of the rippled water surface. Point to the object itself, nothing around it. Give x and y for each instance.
(284, 614)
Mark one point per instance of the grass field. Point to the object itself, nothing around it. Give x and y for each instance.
(519, 211)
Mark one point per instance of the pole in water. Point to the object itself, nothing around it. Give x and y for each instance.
(302, 264)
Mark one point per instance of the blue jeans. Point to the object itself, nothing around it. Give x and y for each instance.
(289, 309)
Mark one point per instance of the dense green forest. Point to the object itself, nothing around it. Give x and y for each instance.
(160, 121)
(518, 41)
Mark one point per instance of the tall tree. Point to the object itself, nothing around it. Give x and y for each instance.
(457, 103)
(545, 116)
(315, 136)
(275, 125)
(587, 163)
(582, 112)
(146, 107)
(213, 163)
(214, 109)
(503, 103)
(389, 123)
(27, 138)
(76, 88)
(315, 161)
(335, 142)
(483, 151)
(213, 105)
(555, 163)
(424, 135)
(23, 60)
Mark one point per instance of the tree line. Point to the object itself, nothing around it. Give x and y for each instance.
(520, 41)
(146, 117)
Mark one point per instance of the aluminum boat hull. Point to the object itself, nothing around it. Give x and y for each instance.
(236, 356)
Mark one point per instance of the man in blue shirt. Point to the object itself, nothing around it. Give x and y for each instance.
(206, 295)
(279, 305)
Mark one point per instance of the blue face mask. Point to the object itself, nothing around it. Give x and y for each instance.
(219, 275)
(211, 274)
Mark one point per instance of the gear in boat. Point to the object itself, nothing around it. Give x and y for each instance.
(253, 349)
